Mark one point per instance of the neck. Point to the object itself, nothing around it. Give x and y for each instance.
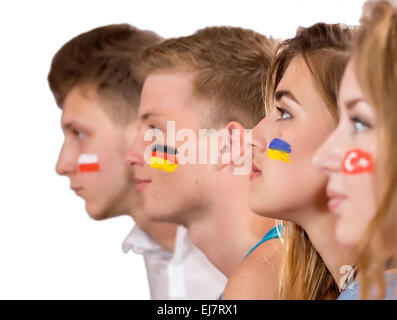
(320, 227)
(227, 229)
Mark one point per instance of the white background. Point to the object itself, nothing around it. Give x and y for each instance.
(49, 248)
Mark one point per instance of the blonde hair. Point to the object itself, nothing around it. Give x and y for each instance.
(326, 50)
(229, 63)
(375, 55)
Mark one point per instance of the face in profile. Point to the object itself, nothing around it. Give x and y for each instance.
(92, 155)
(347, 158)
(283, 179)
(169, 196)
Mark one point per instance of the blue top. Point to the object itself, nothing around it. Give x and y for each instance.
(271, 234)
(352, 292)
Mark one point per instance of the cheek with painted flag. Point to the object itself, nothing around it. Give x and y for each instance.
(164, 158)
(357, 161)
(279, 150)
(88, 163)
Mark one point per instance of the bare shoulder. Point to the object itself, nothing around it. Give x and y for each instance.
(256, 277)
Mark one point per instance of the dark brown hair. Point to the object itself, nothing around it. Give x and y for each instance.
(108, 58)
(230, 65)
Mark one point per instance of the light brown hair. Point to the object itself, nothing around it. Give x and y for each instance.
(230, 65)
(108, 58)
(326, 51)
(375, 58)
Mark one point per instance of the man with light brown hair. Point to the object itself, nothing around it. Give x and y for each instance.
(211, 79)
(96, 79)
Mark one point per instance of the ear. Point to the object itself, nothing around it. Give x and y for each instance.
(231, 147)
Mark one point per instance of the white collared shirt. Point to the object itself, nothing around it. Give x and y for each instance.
(185, 273)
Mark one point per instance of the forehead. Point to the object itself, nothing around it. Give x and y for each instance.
(350, 88)
(299, 80)
(83, 104)
(167, 92)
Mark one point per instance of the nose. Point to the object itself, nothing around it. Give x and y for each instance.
(133, 157)
(328, 157)
(259, 141)
(66, 164)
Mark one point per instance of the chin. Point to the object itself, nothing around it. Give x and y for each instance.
(263, 205)
(345, 237)
(96, 216)
(160, 215)
(157, 216)
(257, 207)
(255, 198)
(97, 213)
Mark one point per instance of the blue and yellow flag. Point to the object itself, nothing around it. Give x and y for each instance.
(279, 150)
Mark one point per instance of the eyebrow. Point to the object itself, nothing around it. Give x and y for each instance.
(285, 93)
(351, 103)
(147, 115)
(74, 125)
(68, 125)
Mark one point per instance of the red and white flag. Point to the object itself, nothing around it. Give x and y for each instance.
(88, 162)
(358, 161)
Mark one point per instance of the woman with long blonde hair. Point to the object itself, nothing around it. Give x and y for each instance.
(301, 91)
(359, 158)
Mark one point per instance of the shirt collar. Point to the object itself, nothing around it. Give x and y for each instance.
(139, 242)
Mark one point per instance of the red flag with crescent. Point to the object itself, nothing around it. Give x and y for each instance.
(357, 161)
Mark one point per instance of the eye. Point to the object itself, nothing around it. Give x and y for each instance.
(359, 124)
(154, 128)
(284, 114)
(78, 134)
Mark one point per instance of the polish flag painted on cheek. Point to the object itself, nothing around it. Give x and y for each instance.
(357, 161)
(88, 163)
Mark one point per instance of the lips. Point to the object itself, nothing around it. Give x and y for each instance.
(335, 199)
(77, 190)
(255, 172)
(140, 184)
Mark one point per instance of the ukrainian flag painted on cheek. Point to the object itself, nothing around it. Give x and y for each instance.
(164, 158)
(279, 150)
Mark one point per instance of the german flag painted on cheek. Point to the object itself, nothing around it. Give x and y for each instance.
(164, 158)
